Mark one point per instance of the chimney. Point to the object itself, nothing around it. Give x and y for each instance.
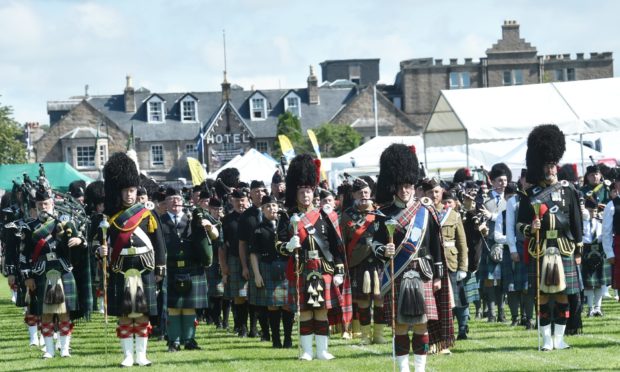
(225, 89)
(313, 88)
(510, 31)
(130, 99)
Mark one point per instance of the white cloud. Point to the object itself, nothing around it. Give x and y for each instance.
(20, 28)
(98, 20)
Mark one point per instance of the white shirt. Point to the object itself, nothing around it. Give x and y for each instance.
(498, 234)
(608, 229)
(177, 216)
(511, 223)
(592, 229)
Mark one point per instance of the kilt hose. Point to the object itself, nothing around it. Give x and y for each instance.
(331, 294)
(514, 273)
(573, 284)
(214, 281)
(197, 298)
(236, 285)
(430, 306)
(69, 288)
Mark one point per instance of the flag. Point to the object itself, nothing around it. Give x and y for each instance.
(131, 143)
(198, 172)
(200, 142)
(317, 149)
(287, 147)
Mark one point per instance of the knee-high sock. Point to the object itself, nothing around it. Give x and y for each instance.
(489, 294)
(274, 323)
(242, 315)
(263, 319)
(545, 315)
(321, 327)
(420, 344)
(252, 310)
(378, 315)
(364, 315)
(598, 298)
(499, 298)
(175, 327)
(589, 293)
(401, 345)
(287, 323)
(216, 309)
(188, 332)
(306, 327)
(225, 310)
(562, 313)
(528, 304)
(462, 313)
(514, 303)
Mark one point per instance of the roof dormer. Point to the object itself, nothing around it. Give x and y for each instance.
(258, 106)
(155, 109)
(188, 108)
(292, 103)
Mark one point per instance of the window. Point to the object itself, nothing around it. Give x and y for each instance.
(155, 111)
(291, 104)
(85, 156)
(459, 80)
(355, 73)
(190, 149)
(565, 74)
(398, 102)
(513, 77)
(257, 107)
(188, 110)
(157, 155)
(103, 154)
(262, 146)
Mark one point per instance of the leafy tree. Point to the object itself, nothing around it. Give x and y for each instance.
(12, 150)
(290, 126)
(337, 139)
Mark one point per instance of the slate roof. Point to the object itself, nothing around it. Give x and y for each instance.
(332, 100)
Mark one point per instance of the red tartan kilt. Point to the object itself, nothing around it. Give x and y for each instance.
(615, 277)
(330, 293)
(430, 306)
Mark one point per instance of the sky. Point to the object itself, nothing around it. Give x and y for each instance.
(51, 49)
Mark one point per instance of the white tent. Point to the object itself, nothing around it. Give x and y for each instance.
(252, 166)
(368, 154)
(468, 116)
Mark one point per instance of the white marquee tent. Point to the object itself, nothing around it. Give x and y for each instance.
(252, 166)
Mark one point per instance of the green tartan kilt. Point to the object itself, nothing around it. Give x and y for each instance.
(68, 285)
(197, 298)
(573, 284)
(598, 277)
(472, 285)
(236, 284)
(214, 281)
(116, 287)
(275, 291)
(514, 273)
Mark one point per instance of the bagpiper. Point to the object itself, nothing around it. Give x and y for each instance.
(418, 289)
(550, 217)
(136, 257)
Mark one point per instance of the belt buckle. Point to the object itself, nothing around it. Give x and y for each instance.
(313, 255)
(131, 250)
(51, 256)
(180, 263)
(551, 234)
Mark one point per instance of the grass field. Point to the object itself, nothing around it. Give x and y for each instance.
(491, 347)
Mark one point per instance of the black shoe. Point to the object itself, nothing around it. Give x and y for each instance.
(192, 345)
(265, 337)
(478, 314)
(225, 326)
(461, 336)
(514, 322)
(528, 324)
(173, 348)
(491, 319)
(253, 333)
(288, 343)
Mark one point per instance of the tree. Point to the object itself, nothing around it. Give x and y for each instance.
(12, 150)
(290, 126)
(337, 139)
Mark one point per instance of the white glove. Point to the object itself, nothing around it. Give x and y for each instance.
(460, 275)
(293, 243)
(338, 280)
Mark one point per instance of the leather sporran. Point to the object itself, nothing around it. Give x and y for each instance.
(496, 253)
(411, 304)
(182, 284)
(552, 279)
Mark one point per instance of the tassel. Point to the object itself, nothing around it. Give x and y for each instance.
(311, 301)
(549, 275)
(556, 273)
(141, 305)
(316, 304)
(319, 287)
(58, 295)
(48, 298)
(126, 306)
(366, 283)
(320, 299)
(310, 289)
(377, 285)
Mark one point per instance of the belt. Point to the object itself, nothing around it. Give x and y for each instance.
(179, 264)
(131, 251)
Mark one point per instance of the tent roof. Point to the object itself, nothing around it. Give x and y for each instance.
(252, 166)
(59, 175)
(491, 114)
(370, 152)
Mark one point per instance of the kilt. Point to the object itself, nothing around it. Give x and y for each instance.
(357, 278)
(116, 287)
(276, 291)
(514, 273)
(197, 298)
(236, 285)
(472, 285)
(68, 285)
(458, 290)
(259, 296)
(598, 277)
(214, 281)
(430, 306)
(573, 284)
(331, 294)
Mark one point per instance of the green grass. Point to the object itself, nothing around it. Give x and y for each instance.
(491, 347)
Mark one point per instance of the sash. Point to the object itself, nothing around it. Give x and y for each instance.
(406, 251)
(307, 219)
(444, 216)
(126, 222)
(358, 233)
(41, 235)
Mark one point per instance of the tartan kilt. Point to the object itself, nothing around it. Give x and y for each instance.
(214, 281)
(357, 279)
(259, 296)
(514, 273)
(275, 291)
(573, 284)
(472, 285)
(197, 298)
(601, 276)
(21, 292)
(235, 283)
(430, 306)
(116, 290)
(68, 286)
(330, 293)
(458, 290)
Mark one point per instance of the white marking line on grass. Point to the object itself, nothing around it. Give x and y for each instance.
(531, 356)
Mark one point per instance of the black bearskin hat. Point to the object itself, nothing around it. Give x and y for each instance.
(500, 169)
(94, 194)
(227, 180)
(302, 171)
(545, 144)
(119, 172)
(462, 175)
(77, 188)
(398, 164)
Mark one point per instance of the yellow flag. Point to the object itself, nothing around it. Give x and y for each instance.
(287, 147)
(198, 172)
(317, 149)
